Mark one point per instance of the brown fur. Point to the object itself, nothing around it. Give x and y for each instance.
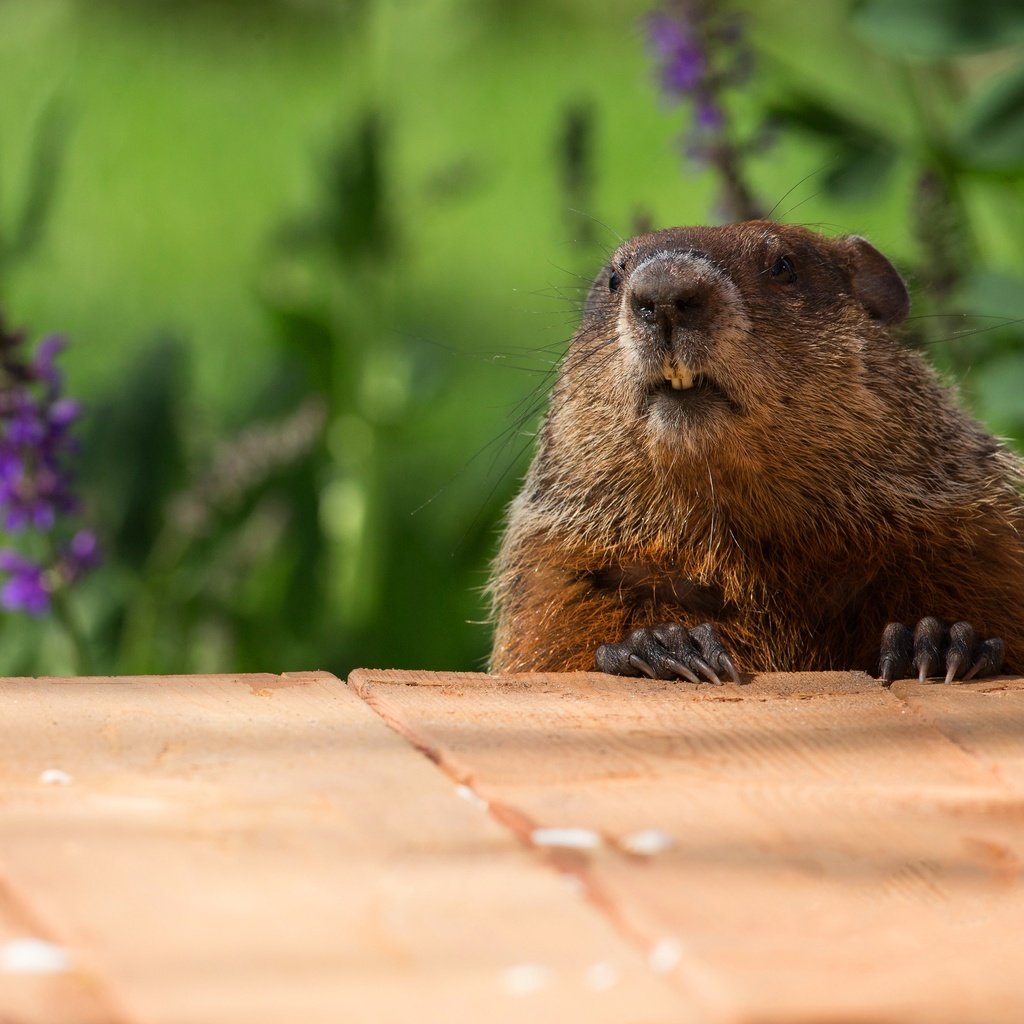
(844, 488)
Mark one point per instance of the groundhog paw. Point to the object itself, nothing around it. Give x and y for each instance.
(669, 651)
(932, 649)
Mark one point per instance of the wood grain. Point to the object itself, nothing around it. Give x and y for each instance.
(840, 852)
(265, 848)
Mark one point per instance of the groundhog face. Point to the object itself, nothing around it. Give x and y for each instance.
(722, 332)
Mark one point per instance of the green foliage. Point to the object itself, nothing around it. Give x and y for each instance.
(939, 28)
(317, 263)
(22, 234)
(962, 153)
(992, 131)
(862, 157)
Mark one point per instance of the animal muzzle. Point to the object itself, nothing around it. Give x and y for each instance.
(671, 307)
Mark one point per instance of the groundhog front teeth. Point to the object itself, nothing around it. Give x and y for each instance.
(680, 377)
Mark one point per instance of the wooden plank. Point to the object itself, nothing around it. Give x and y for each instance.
(41, 982)
(985, 719)
(836, 851)
(264, 848)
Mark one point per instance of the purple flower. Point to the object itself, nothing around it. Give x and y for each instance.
(25, 589)
(64, 412)
(36, 484)
(10, 467)
(36, 480)
(666, 33)
(702, 54)
(682, 61)
(43, 516)
(81, 554)
(43, 367)
(700, 51)
(708, 114)
(25, 426)
(682, 73)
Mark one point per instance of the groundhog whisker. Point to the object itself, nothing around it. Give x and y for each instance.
(807, 177)
(600, 223)
(955, 336)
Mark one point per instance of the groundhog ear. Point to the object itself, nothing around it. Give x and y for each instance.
(876, 282)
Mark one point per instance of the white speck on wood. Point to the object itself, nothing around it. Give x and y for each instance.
(569, 838)
(601, 976)
(664, 955)
(647, 842)
(33, 956)
(469, 794)
(54, 777)
(574, 884)
(525, 979)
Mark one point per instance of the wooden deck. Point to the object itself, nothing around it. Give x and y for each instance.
(438, 847)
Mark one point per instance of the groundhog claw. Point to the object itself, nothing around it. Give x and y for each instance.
(669, 651)
(989, 659)
(932, 650)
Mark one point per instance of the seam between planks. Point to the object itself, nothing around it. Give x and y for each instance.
(86, 977)
(699, 983)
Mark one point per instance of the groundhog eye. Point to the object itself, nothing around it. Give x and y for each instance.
(614, 280)
(782, 270)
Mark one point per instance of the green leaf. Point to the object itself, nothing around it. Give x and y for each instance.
(49, 147)
(998, 386)
(939, 28)
(46, 161)
(353, 219)
(859, 171)
(861, 156)
(813, 116)
(992, 133)
(134, 447)
(996, 295)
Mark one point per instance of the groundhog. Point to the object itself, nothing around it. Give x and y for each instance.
(743, 469)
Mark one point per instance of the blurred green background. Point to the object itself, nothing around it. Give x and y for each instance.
(316, 261)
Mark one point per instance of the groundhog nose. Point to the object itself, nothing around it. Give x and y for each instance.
(668, 296)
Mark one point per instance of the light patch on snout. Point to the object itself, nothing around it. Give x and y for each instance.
(731, 320)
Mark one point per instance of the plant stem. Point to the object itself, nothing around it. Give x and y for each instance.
(65, 614)
(736, 198)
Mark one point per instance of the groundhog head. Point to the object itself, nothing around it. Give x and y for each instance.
(715, 339)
